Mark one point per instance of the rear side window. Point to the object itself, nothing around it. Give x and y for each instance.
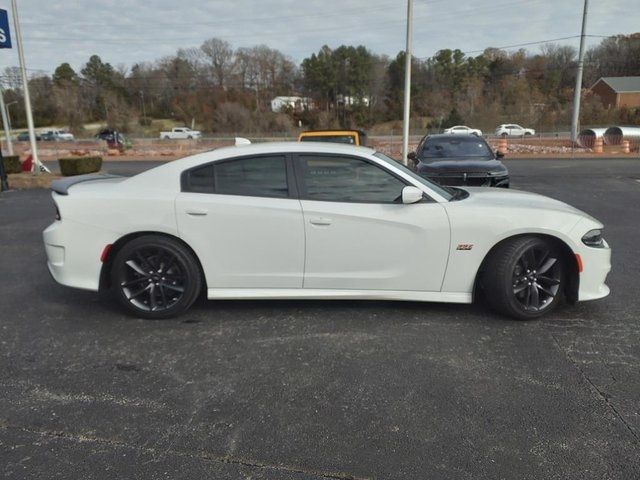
(253, 176)
(200, 180)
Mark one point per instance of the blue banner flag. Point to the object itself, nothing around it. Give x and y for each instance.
(5, 34)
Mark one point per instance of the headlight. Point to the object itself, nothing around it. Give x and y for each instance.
(593, 238)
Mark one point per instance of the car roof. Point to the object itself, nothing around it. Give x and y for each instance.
(290, 147)
(321, 133)
(453, 136)
(169, 169)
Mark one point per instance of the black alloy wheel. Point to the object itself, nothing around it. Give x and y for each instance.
(155, 277)
(524, 277)
(536, 278)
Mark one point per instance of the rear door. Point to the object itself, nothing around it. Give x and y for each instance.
(242, 218)
(360, 236)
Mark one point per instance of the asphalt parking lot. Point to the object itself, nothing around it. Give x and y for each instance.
(317, 390)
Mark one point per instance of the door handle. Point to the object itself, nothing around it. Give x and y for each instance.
(196, 212)
(320, 221)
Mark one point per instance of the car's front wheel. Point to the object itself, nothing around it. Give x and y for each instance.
(524, 278)
(155, 277)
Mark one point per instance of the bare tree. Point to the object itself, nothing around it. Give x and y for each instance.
(220, 58)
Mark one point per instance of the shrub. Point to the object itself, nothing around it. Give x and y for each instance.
(79, 165)
(144, 121)
(12, 164)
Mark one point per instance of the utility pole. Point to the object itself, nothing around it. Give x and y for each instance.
(144, 111)
(5, 123)
(407, 85)
(25, 86)
(578, 90)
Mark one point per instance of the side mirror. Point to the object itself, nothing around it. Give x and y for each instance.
(411, 195)
(499, 154)
(412, 156)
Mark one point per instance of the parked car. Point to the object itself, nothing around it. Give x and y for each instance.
(451, 159)
(57, 136)
(24, 137)
(180, 133)
(513, 130)
(317, 221)
(463, 130)
(352, 137)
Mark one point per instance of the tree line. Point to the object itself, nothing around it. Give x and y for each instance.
(223, 89)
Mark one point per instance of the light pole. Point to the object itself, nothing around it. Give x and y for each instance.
(5, 123)
(407, 86)
(25, 86)
(576, 94)
(9, 114)
(9, 124)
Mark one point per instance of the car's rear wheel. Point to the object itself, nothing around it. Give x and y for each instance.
(524, 278)
(155, 277)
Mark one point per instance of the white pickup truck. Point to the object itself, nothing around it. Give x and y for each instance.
(57, 135)
(180, 132)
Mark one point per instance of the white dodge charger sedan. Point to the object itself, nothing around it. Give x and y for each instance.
(317, 220)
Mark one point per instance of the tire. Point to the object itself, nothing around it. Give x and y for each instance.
(527, 134)
(189, 137)
(155, 277)
(166, 137)
(504, 134)
(524, 278)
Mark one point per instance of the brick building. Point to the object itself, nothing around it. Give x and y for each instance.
(618, 91)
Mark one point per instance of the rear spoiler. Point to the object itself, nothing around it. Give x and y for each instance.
(62, 186)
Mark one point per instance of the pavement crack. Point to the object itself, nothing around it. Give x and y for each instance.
(599, 392)
(201, 455)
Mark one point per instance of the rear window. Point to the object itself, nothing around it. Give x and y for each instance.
(349, 139)
(253, 176)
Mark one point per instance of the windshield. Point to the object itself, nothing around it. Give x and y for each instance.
(445, 193)
(460, 147)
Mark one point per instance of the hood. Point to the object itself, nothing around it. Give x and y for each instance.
(510, 198)
(462, 165)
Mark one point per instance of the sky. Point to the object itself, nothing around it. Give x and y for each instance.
(125, 32)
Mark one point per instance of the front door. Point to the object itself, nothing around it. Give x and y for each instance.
(241, 220)
(359, 234)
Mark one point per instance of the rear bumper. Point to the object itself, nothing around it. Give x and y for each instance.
(73, 253)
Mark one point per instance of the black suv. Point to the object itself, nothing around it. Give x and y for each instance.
(459, 160)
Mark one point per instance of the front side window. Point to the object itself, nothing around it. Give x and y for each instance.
(253, 176)
(348, 179)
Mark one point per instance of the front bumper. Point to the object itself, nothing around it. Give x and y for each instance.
(469, 180)
(596, 265)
